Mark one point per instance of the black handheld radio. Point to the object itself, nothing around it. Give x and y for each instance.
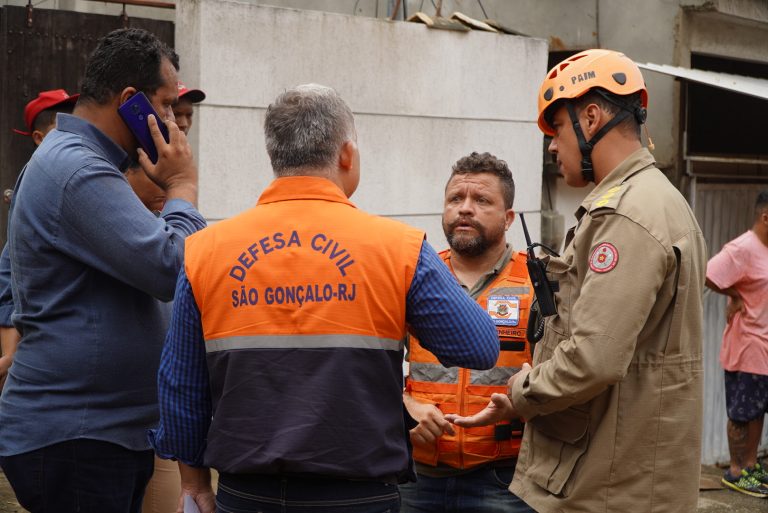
(537, 270)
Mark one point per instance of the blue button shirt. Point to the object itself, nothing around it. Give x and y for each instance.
(90, 267)
(6, 296)
(440, 314)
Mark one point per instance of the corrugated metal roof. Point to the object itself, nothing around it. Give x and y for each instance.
(751, 86)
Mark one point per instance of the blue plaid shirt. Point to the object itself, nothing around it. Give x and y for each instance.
(438, 311)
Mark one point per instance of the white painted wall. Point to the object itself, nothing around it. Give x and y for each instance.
(422, 99)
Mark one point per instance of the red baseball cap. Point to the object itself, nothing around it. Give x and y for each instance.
(193, 95)
(44, 100)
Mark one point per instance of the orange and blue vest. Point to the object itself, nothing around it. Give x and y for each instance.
(302, 302)
(507, 299)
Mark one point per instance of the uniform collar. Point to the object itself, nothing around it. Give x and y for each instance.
(94, 138)
(303, 188)
(638, 161)
(504, 260)
(485, 279)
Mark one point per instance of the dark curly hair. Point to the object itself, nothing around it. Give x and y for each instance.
(125, 58)
(487, 163)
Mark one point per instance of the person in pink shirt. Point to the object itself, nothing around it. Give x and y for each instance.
(740, 271)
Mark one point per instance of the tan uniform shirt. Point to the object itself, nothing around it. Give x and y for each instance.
(614, 398)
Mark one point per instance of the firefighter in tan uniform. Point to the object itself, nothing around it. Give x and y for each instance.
(469, 470)
(613, 402)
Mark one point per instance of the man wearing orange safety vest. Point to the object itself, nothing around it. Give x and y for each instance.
(469, 470)
(283, 364)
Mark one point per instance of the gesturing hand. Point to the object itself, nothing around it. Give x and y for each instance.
(432, 423)
(499, 408)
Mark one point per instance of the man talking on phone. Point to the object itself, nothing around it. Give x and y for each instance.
(89, 267)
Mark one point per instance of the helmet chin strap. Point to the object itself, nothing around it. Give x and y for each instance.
(586, 147)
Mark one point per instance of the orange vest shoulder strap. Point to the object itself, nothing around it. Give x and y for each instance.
(518, 269)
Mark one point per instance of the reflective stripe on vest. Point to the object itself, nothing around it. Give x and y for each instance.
(436, 373)
(466, 391)
(302, 342)
(493, 376)
(433, 372)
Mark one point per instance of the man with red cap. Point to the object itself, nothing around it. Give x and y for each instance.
(183, 110)
(40, 113)
(40, 118)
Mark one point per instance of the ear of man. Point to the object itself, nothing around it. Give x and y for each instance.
(510, 217)
(347, 155)
(37, 137)
(126, 93)
(348, 173)
(595, 117)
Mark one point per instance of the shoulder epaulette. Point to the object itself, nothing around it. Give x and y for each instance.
(610, 199)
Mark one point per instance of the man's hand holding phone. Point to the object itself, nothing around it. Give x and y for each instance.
(175, 171)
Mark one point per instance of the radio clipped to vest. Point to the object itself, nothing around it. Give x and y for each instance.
(542, 286)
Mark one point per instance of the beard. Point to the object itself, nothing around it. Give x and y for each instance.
(468, 245)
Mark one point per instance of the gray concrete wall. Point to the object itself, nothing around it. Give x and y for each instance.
(647, 31)
(726, 36)
(626, 26)
(540, 18)
(422, 99)
(659, 31)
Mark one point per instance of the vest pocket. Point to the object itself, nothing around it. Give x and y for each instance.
(442, 394)
(426, 454)
(557, 442)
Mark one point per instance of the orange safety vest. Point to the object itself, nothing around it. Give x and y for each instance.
(507, 299)
(302, 301)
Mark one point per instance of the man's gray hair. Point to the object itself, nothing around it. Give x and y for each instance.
(305, 128)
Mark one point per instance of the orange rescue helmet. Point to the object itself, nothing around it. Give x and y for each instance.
(576, 75)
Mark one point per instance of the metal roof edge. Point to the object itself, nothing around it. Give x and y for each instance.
(751, 86)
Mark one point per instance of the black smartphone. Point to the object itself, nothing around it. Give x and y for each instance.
(134, 112)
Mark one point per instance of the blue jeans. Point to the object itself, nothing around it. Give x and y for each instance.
(484, 490)
(242, 493)
(83, 476)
